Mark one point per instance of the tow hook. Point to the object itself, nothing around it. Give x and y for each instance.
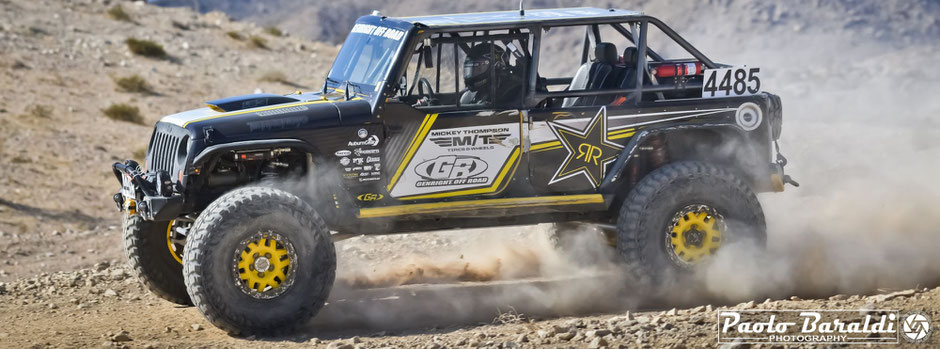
(781, 162)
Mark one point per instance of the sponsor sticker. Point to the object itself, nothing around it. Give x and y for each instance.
(343, 152)
(361, 152)
(372, 141)
(370, 197)
(363, 133)
(451, 170)
(344, 161)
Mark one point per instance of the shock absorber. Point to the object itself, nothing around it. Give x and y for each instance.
(658, 154)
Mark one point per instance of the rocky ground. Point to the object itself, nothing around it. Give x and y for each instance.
(860, 131)
(104, 306)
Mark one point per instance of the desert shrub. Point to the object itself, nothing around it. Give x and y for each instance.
(273, 76)
(259, 42)
(40, 111)
(117, 13)
(273, 31)
(124, 112)
(235, 35)
(133, 83)
(140, 154)
(145, 48)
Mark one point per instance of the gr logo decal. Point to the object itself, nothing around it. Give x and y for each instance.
(451, 167)
(370, 197)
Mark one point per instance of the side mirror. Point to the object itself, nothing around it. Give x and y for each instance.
(402, 85)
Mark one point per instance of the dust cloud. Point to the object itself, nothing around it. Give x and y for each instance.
(860, 131)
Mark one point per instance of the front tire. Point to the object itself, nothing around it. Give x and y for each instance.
(682, 213)
(152, 259)
(259, 261)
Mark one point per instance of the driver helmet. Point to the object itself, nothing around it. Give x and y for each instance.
(477, 65)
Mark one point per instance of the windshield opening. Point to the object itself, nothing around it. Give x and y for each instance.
(365, 58)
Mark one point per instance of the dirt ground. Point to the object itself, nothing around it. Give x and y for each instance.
(860, 132)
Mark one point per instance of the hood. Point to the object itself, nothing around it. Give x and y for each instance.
(250, 113)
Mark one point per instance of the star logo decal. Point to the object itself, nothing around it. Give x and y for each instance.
(589, 150)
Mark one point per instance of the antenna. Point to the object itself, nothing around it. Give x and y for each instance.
(522, 8)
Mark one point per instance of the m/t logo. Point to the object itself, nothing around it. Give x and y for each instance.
(589, 153)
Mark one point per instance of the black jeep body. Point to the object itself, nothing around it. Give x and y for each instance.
(442, 122)
(400, 165)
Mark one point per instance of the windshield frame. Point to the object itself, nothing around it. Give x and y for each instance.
(364, 88)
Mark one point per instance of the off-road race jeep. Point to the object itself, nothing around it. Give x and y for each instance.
(443, 122)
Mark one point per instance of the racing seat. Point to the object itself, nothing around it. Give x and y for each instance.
(594, 76)
(628, 79)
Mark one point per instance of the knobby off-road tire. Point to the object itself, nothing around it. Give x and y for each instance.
(145, 244)
(210, 259)
(649, 210)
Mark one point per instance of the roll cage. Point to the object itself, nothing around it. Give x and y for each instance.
(633, 28)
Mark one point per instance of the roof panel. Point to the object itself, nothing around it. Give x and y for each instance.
(536, 15)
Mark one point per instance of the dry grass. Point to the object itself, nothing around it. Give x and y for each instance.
(235, 35)
(274, 31)
(140, 154)
(274, 76)
(124, 112)
(133, 83)
(145, 48)
(40, 111)
(258, 42)
(116, 12)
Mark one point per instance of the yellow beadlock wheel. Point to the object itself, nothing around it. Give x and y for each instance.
(264, 265)
(693, 234)
(175, 241)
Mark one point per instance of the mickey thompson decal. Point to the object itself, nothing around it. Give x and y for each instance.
(589, 150)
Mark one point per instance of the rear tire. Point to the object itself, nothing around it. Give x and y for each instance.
(145, 245)
(223, 286)
(650, 214)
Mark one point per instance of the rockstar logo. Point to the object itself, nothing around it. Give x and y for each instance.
(589, 150)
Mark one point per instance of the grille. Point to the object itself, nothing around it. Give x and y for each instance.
(164, 150)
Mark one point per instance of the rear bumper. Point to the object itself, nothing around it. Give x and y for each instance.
(152, 195)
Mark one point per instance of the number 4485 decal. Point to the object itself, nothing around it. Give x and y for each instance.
(731, 82)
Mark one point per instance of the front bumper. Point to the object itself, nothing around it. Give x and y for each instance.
(152, 195)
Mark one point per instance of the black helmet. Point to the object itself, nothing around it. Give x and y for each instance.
(477, 65)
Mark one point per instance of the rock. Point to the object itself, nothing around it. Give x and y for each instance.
(110, 293)
(339, 345)
(560, 328)
(53, 306)
(709, 308)
(122, 336)
(596, 333)
(565, 336)
(839, 297)
(671, 312)
(697, 309)
(433, 345)
(522, 338)
(196, 327)
(885, 297)
(543, 333)
(643, 319)
(510, 344)
(102, 266)
(355, 340)
(598, 342)
(795, 298)
(117, 274)
(461, 342)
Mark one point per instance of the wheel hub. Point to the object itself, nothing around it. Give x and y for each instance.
(264, 265)
(694, 233)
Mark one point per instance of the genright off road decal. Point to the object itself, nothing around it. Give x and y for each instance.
(449, 161)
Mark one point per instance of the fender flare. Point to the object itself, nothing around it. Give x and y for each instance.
(211, 151)
(609, 185)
